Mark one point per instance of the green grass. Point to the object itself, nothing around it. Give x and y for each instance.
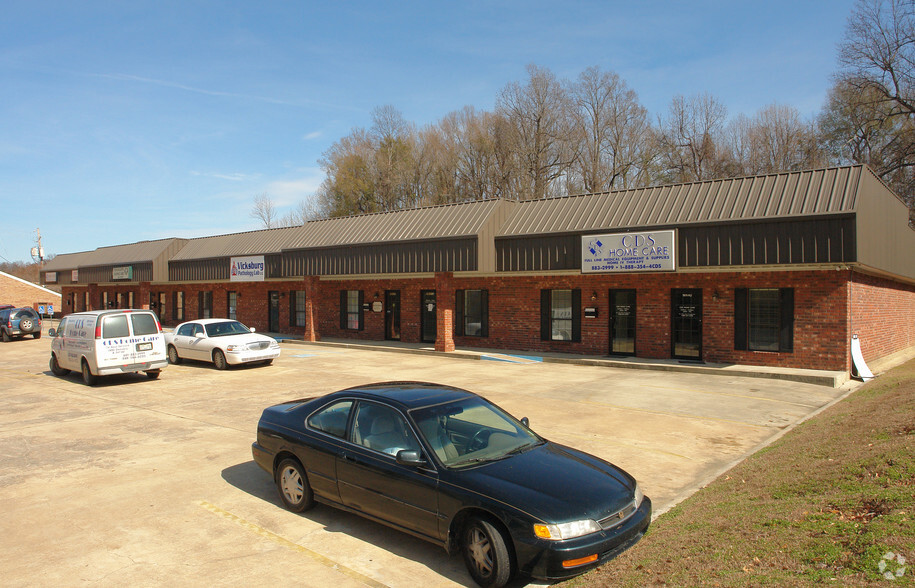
(824, 504)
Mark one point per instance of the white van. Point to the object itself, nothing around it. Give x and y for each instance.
(105, 342)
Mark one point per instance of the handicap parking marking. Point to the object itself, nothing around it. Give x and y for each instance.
(520, 359)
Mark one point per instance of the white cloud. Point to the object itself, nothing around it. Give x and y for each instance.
(232, 177)
(313, 135)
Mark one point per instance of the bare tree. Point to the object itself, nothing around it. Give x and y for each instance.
(538, 113)
(774, 140)
(689, 138)
(264, 211)
(613, 134)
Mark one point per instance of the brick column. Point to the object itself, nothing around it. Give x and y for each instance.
(444, 312)
(311, 290)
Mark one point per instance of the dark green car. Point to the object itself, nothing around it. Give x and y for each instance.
(19, 322)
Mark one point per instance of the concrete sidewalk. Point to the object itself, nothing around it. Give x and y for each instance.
(819, 377)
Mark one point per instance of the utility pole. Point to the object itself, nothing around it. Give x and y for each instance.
(38, 252)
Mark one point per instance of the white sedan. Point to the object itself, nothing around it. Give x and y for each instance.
(220, 341)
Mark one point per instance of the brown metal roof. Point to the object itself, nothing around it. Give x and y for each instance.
(434, 222)
(250, 243)
(144, 251)
(790, 194)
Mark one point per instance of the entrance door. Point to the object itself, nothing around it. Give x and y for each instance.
(622, 322)
(273, 321)
(686, 330)
(427, 316)
(392, 315)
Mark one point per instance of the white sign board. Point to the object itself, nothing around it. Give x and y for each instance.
(248, 269)
(649, 251)
(74, 276)
(50, 277)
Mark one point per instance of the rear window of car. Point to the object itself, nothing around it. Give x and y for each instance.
(115, 326)
(144, 324)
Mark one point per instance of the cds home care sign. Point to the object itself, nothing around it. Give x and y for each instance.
(248, 269)
(651, 251)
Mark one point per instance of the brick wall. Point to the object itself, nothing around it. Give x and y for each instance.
(827, 304)
(20, 294)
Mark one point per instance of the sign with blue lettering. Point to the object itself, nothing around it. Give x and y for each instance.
(248, 269)
(650, 251)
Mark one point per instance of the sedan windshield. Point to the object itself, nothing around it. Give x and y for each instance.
(472, 431)
(226, 328)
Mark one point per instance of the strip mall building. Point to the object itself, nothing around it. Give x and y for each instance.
(776, 270)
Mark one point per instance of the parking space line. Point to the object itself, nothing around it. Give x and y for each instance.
(291, 545)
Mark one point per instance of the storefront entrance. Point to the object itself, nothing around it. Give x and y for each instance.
(274, 316)
(686, 328)
(427, 316)
(622, 322)
(392, 315)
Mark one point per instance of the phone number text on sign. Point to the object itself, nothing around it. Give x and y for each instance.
(626, 252)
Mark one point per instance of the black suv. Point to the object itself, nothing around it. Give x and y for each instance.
(19, 322)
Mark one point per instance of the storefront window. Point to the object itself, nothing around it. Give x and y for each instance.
(299, 316)
(351, 314)
(764, 319)
(232, 303)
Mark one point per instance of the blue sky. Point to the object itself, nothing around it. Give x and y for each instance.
(127, 121)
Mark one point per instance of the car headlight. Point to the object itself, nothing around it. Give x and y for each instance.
(566, 530)
(233, 348)
(639, 496)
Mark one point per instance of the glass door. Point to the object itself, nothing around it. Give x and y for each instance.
(622, 322)
(427, 316)
(686, 330)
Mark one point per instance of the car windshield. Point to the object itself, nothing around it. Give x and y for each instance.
(472, 431)
(226, 328)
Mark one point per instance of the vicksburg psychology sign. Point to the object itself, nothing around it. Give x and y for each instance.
(651, 251)
(248, 269)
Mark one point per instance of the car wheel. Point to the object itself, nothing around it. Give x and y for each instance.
(219, 359)
(153, 374)
(268, 362)
(173, 355)
(486, 554)
(88, 378)
(55, 367)
(6, 337)
(293, 486)
(25, 325)
(37, 334)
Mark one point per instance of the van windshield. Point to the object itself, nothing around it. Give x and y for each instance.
(144, 324)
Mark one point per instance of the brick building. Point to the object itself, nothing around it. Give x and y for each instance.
(19, 293)
(781, 269)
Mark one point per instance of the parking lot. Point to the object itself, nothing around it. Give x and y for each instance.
(149, 482)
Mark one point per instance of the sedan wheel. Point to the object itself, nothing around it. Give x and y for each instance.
(293, 486)
(173, 355)
(486, 554)
(219, 359)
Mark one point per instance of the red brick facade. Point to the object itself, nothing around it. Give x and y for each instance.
(829, 306)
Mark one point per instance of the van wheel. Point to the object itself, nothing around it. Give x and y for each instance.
(153, 374)
(219, 359)
(173, 355)
(88, 378)
(55, 367)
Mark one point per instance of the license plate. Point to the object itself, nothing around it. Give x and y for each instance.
(144, 346)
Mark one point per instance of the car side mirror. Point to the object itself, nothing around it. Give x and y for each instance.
(52, 332)
(199, 335)
(411, 457)
(251, 329)
(526, 422)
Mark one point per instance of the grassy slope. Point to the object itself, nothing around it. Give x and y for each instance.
(823, 504)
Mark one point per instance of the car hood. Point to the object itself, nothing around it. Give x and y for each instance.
(244, 338)
(553, 483)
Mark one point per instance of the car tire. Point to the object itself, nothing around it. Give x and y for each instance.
(88, 378)
(173, 357)
(268, 362)
(219, 360)
(486, 554)
(55, 367)
(37, 335)
(25, 325)
(153, 374)
(292, 484)
(6, 337)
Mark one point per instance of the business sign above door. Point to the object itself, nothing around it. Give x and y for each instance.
(650, 251)
(124, 272)
(248, 269)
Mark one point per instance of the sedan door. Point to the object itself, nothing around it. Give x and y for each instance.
(372, 482)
